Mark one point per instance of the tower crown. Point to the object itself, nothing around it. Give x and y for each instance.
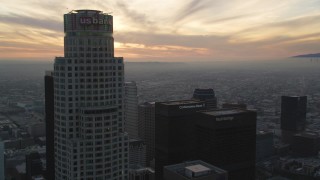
(88, 20)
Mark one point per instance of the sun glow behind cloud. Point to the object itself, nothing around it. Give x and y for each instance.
(180, 30)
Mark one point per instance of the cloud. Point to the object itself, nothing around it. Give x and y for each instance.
(32, 22)
(153, 39)
(279, 30)
(135, 18)
(141, 51)
(230, 18)
(190, 8)
(217, 46)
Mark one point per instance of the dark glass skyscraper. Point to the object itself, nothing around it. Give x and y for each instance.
(174, 132)
(146, 126)
(293, 113)
(227, 139)
(33, 165)
(206, 95)
(223, 137)
(49, 114)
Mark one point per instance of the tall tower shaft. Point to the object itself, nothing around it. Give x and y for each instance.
(88, 101)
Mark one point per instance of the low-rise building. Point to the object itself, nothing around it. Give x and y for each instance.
(194, 170)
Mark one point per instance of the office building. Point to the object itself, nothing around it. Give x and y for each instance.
(206, 95)
(33, 165)
(278, 178)
(37, 129)
(194, 170)
(264, 145)
(306, 144)
(174, 133)
(146, 122)
(141, 173)
(293, 113)
(223, 137)
(90, 142)
(137, 153)
(131, 109)
(49, 119)
(2, 167)
(227, 139)
(234, 105)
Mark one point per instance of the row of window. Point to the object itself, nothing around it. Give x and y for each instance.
(87, 74)
(88, 55)
(94, 49)
(106, 61)
(62, 142)
(88, 86)
(88, 68)
(107, 41)
(107, 99)
(62, 93)
(92, 103)
(89, 80)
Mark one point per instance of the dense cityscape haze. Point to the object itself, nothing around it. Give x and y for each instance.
(258, 84)
(250, 82)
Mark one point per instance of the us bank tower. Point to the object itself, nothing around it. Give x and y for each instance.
(89, 138)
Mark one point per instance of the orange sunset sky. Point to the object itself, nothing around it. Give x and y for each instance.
(169, 30)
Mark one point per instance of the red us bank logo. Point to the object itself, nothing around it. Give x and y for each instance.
(85, 20)
(92, 20)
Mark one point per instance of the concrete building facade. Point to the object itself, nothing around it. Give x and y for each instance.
(89, 137)
(131, 110)
(147, 128)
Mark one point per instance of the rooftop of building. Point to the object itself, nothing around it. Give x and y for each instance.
(193, 169)
(133, 83)
(85, 11)
(146, 104)
(264, 133)
(313, 135)
(293, 96)
(204, 91)
(197, 168)
(222, 112)
(180, 102)
(135, 142)
(278, 178)
(139, 168)
(49, 73)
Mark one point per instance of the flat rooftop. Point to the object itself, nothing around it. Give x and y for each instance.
(197, 168)
(221, 112)
(147, 104)
(312, 135)
(181, 102)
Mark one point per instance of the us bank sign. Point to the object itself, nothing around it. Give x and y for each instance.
(95, 21)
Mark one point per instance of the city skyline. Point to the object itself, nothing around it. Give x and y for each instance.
(169, 31)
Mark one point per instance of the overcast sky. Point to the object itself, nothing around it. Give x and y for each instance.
(169, 30)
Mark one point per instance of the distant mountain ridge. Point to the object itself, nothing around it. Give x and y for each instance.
(307, 55)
